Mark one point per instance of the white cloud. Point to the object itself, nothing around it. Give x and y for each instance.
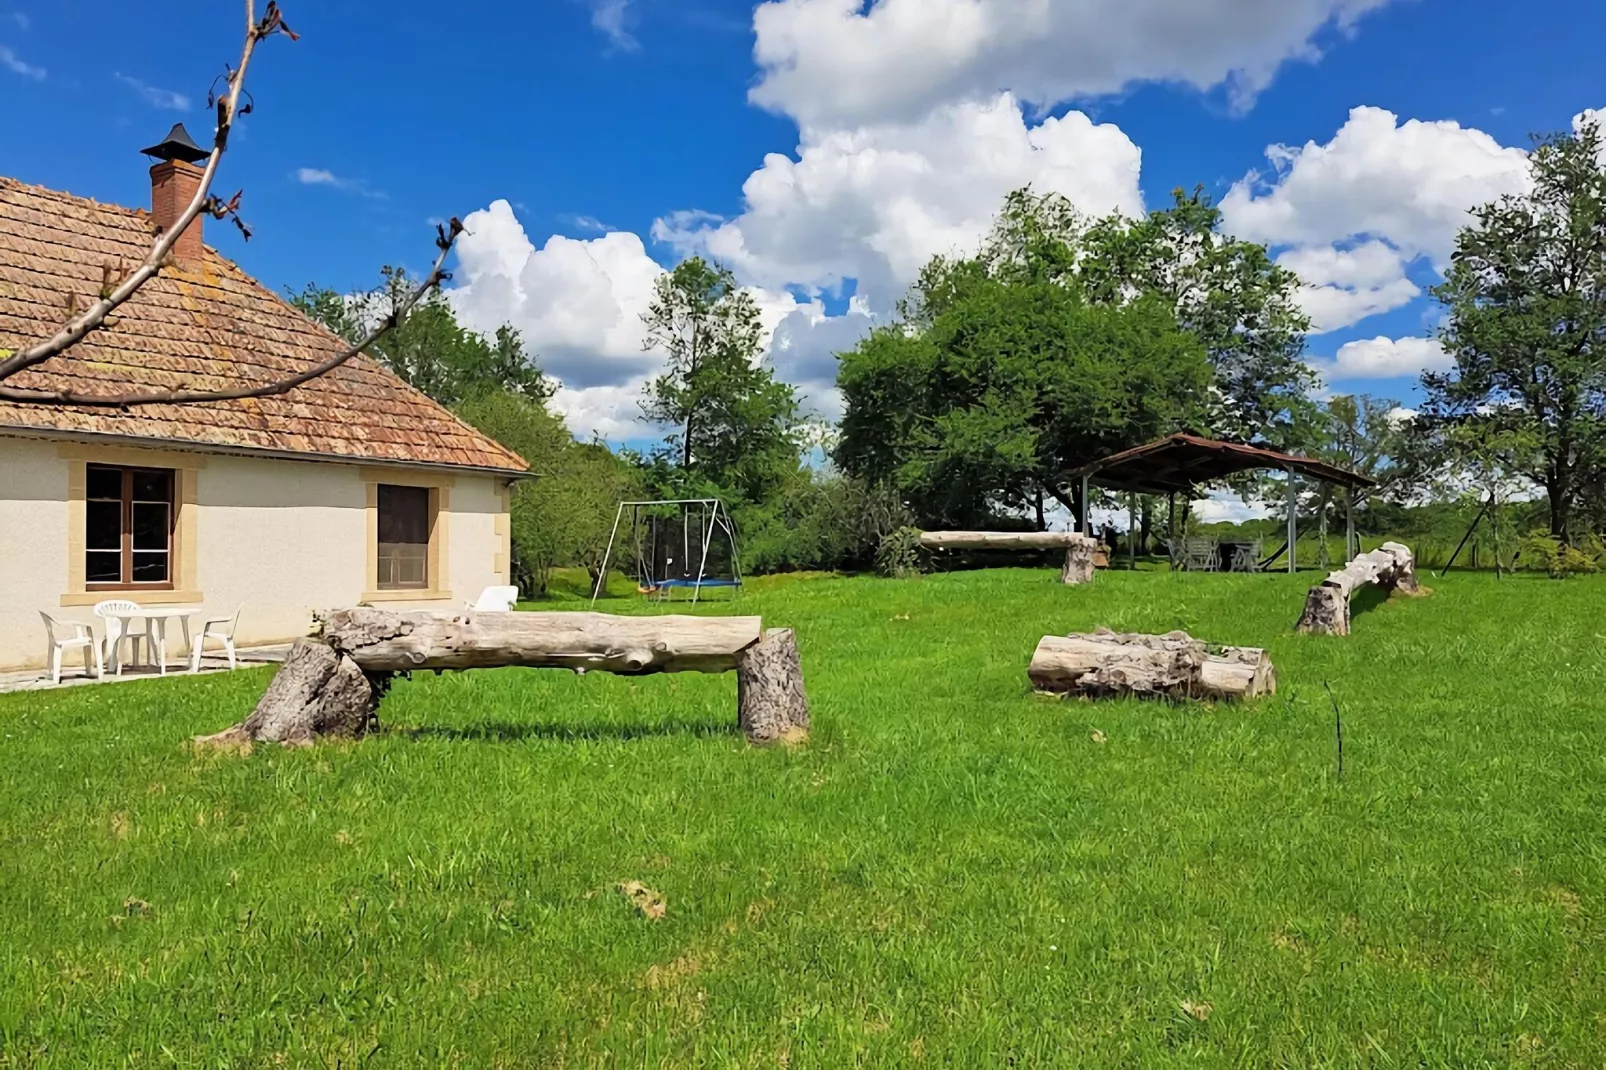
(874, 204)
(843, 63)
(1355, 212)
(17, 17)
(1410, 183)
(577, 303)
(1341, 287)
(156, 97)
(317, 176)
(608, 18)
(1386, 358)
(1225, 507)
(13, 63)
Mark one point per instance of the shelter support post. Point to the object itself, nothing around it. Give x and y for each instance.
(1171, 529)
(1293, 513)
(1132, 528)
(1351, 547)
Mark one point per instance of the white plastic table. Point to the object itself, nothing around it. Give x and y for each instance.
(156, 618)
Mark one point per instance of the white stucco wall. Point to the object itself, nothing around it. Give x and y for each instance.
(278, 538)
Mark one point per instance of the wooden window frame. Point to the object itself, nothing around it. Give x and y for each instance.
(437, 566)
(418, 494)
(126, 523)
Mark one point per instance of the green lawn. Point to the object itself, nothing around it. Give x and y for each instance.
(952, 873)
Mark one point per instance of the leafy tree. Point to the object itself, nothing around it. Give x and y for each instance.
(1526, 298)
(1359, 433)
(735, 422)
(1227, 293)
(1000, 380)
(429, 348)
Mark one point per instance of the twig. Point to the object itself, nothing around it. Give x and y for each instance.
(445, 239)
(1338, 725)
(227, 111)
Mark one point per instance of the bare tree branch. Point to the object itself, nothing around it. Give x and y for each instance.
(444, 241)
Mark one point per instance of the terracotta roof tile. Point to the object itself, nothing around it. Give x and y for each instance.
(200, 325)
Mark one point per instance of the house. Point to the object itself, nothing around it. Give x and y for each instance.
(352, 488)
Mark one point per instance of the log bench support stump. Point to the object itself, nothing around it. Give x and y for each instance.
(1391, 567)
(1080, 550)
(1175, 666)
(332, 686)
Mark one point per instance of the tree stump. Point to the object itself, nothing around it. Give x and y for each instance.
(770, 700)
(1080, 562)
(317, 692)
(1174, 666)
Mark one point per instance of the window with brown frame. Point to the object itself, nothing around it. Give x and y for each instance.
(128, 537)
(404, 524)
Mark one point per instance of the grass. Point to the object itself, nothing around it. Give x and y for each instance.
(952, 873)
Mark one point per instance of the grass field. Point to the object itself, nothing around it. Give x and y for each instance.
(952, 873)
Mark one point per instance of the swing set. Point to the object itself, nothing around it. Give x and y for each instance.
(680, 545)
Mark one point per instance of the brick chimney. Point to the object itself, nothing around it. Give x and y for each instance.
(174, 180)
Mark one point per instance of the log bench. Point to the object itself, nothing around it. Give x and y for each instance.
(1080, 550)
(1391, 567)
(332, 685)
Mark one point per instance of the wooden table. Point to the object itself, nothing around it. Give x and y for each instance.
(155, 618)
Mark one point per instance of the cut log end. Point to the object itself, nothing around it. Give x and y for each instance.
(317, 693)
(1081, 559)
(772, 706)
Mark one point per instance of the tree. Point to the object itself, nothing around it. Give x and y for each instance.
(1358, 433)
(735, 422)
(115, 292)
(1227, 293)
(1526, 302)
(1000, 379)
(427, 346)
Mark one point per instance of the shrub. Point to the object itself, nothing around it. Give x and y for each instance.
(1541, 550)
(899, 556)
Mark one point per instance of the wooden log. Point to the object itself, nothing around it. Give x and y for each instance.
(1080, 562)
(770, 701)
(1000, 540)
(1391, 567)
(317, 692)
(1174, 666)
(381, 641)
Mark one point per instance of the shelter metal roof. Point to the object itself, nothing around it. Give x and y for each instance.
(1178, 463)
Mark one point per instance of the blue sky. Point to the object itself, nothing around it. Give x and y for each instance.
(610, 122)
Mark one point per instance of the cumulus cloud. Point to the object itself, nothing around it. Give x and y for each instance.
(155, 96)
(841, 63)
(1386, 358)
(875, 203)
(13, 63)
(1353, 214)
(1340, 287)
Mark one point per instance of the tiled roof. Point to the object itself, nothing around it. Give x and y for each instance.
(199, 325)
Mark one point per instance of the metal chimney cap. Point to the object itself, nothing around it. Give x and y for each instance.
(178, 145)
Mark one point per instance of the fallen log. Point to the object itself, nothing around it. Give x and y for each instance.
(1080, 550)
(1391, 567)
(1173, 666)
(332, 686)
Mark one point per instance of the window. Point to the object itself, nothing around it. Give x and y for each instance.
(404, 524)
(128, 538)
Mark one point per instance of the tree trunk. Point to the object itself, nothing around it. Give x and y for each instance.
(1042, 517)
(1391, 567)
(1000, 540)
(1174, 666)
(771, 705)
(1080, 562)
(317, 692)
(382, 641)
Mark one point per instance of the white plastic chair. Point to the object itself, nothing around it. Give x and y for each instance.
(117, 635)
(83, 638)
(496, 600)
(218, 629)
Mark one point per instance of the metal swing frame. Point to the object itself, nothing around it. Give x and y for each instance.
(718, 521)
